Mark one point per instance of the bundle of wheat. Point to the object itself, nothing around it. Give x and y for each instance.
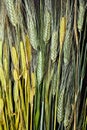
(43, 64)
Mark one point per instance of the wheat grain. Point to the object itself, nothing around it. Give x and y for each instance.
(67, 47)
(54, 44)
(40, 67)
(47, 26)
(28, 49)
(67, 113)
(68, 42)
(14, 57)
(60, 108)
(11, 12)
(33, 34)
(81, 14)
(62, 30)
(23, 58)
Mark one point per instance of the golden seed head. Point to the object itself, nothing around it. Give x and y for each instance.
(14, 57)
(62, 30)
(28, 49)
(23, 57)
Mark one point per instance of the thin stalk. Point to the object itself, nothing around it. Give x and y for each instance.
(31, 116)
(9, 111)
(42, 116)
(61, 7)
(42, 109)
(58, 82)
(6, 119)
(27, 118)
(50, 74)
(77, 45)
(5, 128)
(22, 100)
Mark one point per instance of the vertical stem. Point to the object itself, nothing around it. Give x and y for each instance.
(76, 78)
(31, 116)
(61, 7)
(58, 83)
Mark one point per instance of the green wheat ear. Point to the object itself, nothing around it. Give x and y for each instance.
(54, 45)
(40, 68)
(81, 14)
(47, 26)
(60, 107)
(11, 12)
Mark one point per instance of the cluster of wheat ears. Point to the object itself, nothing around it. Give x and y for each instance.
(43, 60)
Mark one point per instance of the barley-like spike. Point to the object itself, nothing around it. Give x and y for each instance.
(54, 44)
(60, 108)
(68, 42)
(14, 57)
(23, 58)
(11, 12)
(40, 67)
(70, 121)
(54, 81)
(28, 49)
(67, 47)
(33, 34)
(47, 26)
(62, 30)
(67, 113)
(81, 14)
